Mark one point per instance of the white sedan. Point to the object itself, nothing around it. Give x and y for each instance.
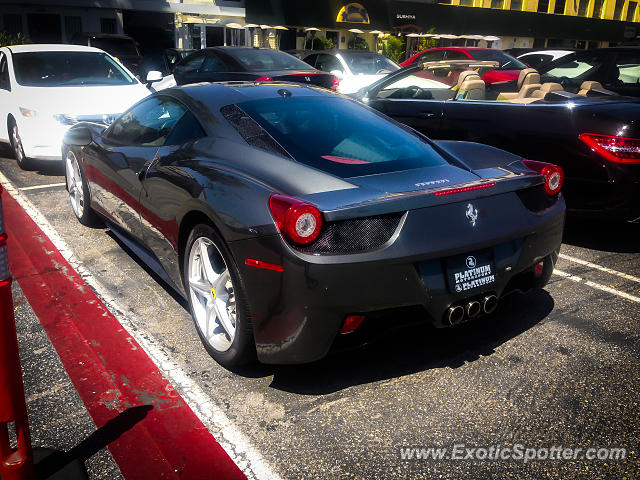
(44, 89)
(354, 68)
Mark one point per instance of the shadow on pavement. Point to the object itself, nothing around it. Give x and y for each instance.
(411, 349)
(56, 464)
(607, 236)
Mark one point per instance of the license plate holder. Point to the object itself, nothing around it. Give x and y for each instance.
(471, 273)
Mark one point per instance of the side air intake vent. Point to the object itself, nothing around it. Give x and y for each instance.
(251, 131)
(354, 235)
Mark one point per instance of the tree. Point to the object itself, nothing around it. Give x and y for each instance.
(393, 48)
(7, 39)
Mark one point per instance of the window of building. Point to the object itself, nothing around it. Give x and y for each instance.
(12, 23)
(631, 11)
(72, 25)
(617, 12)
(559, 7)
(597, 8)
(582, 7)
(5, 82)
(516, 4)
(497, 3)
(466, 3)
(543, 6)
(108, 25)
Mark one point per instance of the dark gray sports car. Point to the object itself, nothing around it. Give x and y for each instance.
(289, 216)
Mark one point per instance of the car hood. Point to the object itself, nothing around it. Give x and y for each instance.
(353, 83)
(501, 76)
(81, 100)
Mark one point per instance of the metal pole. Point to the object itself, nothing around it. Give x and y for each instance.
(15, 463)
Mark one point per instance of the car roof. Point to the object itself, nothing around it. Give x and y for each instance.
(549, 52)
(219, 94)
(461, 49)
(45, 47)
(103, 35)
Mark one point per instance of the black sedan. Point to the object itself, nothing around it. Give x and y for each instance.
(289, 216)
(593, 135)
(221, 64)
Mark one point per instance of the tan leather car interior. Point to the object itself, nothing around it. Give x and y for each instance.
(547, 88)
(528, 82)
(470, 86)
(589, 85)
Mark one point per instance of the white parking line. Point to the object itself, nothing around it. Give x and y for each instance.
(599, 267)
(598, 286)
(38, 187)
(234, 442)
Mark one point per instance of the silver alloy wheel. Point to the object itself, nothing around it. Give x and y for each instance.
(212, 294)
(17, 143)
(74, 184)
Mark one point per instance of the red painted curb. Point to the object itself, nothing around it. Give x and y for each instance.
(108, 368)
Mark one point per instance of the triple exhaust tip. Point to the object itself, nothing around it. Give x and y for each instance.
(456, 313)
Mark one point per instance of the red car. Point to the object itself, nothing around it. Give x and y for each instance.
(509, 66)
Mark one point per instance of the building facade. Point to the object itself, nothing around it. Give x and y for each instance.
(153, 23)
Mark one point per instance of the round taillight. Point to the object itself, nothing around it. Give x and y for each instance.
(298, 221)
(553, 174)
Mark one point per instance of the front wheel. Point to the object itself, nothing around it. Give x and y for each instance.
(216, 298)
(16, 146)
(78, 191)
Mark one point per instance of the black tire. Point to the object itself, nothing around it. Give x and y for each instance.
(16, 146)
(242, 349)
(80, 201)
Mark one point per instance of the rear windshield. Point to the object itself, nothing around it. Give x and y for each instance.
(369, 63)
(507, 62)
(257, 60)
(115, 46)
(339, 136)
(56, 69)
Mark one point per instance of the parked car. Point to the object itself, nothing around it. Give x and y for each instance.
(508, 67)
(538, 58)
(288, 216)
(44, 89)
(594, 136)
(354, 68)
(220, 64)
(616, 68)
(122, 47)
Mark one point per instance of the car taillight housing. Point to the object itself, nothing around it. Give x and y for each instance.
(614, 149)
(554, 175)
(300, 222)
(336, 84)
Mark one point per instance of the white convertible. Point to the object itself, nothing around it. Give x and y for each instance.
(44, 89)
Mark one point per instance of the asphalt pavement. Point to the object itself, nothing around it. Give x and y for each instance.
(557, 367)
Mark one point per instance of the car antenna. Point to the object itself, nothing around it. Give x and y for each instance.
(284, 93)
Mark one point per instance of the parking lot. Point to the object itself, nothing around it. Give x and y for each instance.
(557, 367)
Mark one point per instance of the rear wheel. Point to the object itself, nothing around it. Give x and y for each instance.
(216, 298)
(16, 146)
(78, 191)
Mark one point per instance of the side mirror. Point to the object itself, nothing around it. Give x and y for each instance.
(339, 74)
(78, 136)
(154, 76)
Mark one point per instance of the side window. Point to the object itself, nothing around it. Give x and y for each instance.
(455, 55)
(434, 56)
(311, 60)
(326, 63)
(213, 63)
(148, 123)
(628, 64)
(188, 128)
(192, 63)
(5, 83)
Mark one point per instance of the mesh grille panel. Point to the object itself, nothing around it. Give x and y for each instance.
(253, 133)
(354, 235)
(4, 264)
